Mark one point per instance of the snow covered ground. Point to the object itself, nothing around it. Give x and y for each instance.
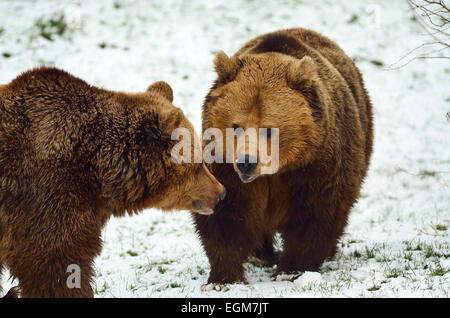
(397, 241)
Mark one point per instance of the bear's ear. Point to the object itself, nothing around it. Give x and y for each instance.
(301, 74)
(226, 68)
(163, 89)
(172, 120)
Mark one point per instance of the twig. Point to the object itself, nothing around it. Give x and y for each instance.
(429, 11)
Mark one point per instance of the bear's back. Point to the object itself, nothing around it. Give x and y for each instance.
(298, 42)
(46, 116)
(351, 74)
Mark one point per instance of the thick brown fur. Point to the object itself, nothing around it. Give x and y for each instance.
(72, 155)
(302, 83)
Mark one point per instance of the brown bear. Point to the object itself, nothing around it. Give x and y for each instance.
(304, 85)
(72, 155)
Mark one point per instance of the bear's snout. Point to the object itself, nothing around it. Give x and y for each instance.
(202, 207)
(206, 193)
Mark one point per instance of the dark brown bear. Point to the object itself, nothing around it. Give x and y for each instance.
(302, 83)
(72, 155)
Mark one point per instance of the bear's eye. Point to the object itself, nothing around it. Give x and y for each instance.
(236, 126)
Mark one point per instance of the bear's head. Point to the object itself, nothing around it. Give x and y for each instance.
(144, 174)
(276, 97)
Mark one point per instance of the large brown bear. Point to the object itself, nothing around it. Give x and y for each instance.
(72, 155)
(302, 83)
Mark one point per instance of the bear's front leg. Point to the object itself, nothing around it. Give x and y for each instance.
(56, 261)
(308, 241)
(226, 265)
(55, 280)
(226, 243)
(235, 230)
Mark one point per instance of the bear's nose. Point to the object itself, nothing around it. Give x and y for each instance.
(246, 164)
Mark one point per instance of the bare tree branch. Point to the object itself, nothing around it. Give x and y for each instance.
(427, 18)
(433, 16)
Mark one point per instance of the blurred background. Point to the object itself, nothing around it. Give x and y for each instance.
(396, 243)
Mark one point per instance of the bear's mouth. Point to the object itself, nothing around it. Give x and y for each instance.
(204, 212)
(198, 208)
(246, 178)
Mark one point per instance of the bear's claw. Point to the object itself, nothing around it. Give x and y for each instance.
(212, 287)
(287, 276)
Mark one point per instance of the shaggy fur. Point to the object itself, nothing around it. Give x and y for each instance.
(302, 83)
(72, 155)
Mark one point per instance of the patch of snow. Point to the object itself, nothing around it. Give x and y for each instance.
(308, 278)
(396, 242)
